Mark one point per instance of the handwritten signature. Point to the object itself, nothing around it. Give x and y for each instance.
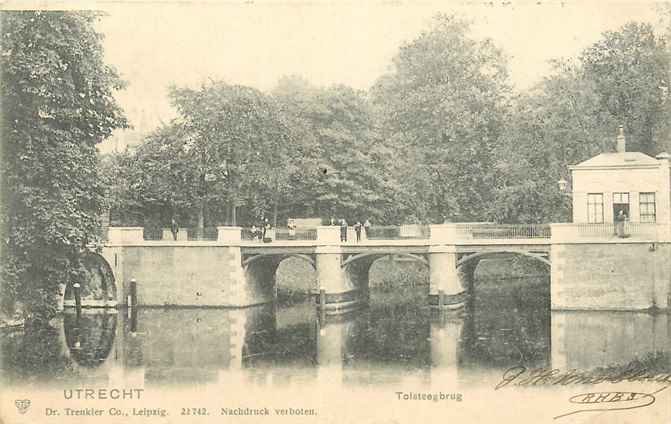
(521, 376)
(610, 401)
(590, 401)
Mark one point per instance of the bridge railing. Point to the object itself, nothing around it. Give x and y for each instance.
(183, 234)
(298, 234)
(209, 233)
(501, 231)
(608, 231)
(281, 233)
(393, 232)
(152, 233)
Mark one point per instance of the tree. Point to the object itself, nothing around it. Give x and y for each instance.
(343, 173)
(155, 182)
(57, 105)
(631, 70)
(554, 125)
(573, 115)
(115, 171)
(441, 108)
(236, 141)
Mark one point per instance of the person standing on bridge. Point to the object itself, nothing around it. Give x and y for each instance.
(267, 236)
(291, 224)
(343, 230)
(366, 228)
(357, 230)
(174, 228)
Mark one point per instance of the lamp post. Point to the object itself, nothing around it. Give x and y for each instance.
(562, 186)
(566, 194)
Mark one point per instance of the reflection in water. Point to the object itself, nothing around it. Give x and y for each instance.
(586, 340)
(90, 337)
(507, 323)
(396, 340)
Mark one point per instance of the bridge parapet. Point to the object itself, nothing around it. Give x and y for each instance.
(125, 235)
(443, 234)
(229, 234)
(328, 235)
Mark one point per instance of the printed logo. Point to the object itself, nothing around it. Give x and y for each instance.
(22, 405)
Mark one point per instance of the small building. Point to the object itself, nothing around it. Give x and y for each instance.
(632, 182)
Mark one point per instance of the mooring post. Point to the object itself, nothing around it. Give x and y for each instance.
(322, 299)
(441, 298)
(132, 293)
(78, 298)
(133, 320)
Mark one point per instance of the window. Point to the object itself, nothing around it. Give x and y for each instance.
(622, 198)
(620, 205)
(647, 207)
(595, 208)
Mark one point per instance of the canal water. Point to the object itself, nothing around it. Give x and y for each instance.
(395, 341)
(395, 361)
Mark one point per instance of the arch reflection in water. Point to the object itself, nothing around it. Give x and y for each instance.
(386, 343)
(187, 346)
(199, 346)
(507, 323)
(90, 336)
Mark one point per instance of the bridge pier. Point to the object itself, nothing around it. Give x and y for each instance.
(338, 288)
(445, 288)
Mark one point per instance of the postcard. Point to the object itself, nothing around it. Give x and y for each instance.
(335, 212)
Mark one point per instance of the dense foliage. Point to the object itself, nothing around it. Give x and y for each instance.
(573, 115)
(441, 109)
(441, 136)
(57, 105)
(301, 151)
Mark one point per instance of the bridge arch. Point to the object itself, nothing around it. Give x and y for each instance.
(99, 285)
(359, 256)
(307, 258)
(474, 257)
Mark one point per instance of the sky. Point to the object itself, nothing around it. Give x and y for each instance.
(156, 44)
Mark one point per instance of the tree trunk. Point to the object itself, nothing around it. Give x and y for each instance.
(200, 229)
(234, 218)
(275, 212)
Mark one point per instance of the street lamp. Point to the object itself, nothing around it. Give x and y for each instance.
(562, 185)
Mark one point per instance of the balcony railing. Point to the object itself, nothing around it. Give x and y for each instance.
(609, 231)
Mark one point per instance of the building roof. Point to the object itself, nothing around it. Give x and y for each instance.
(618, 160)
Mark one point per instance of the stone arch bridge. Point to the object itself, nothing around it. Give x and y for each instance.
(234, 272)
